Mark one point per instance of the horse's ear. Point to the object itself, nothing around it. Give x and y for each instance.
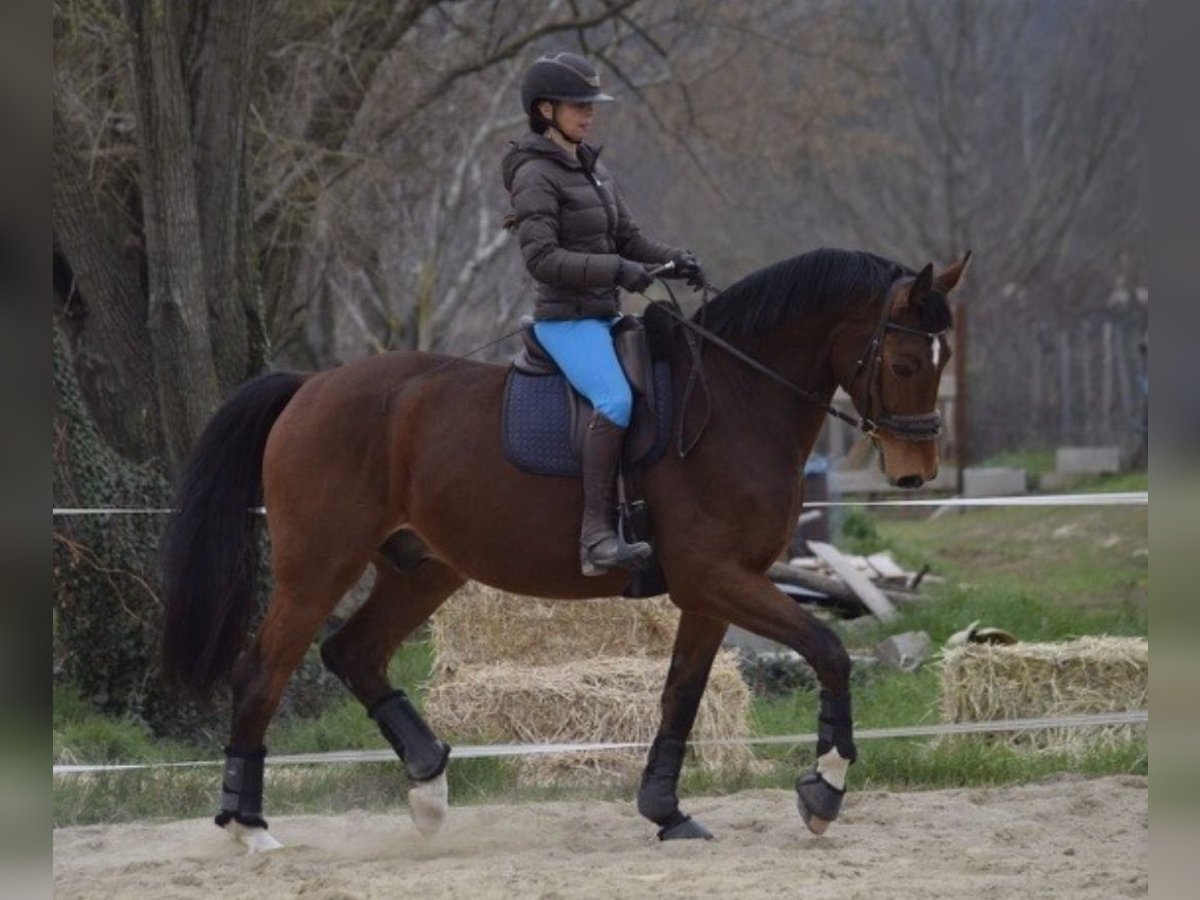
(915, 290)
(948, 280)
(923, 284)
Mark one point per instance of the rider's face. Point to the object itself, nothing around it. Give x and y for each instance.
(574, 119)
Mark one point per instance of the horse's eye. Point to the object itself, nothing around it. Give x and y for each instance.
(903, 369)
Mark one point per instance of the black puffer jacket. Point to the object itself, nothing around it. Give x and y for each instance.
(574, 228)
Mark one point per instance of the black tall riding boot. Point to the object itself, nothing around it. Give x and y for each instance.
(600, 547)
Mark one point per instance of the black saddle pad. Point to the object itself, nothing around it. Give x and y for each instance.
(537, 423)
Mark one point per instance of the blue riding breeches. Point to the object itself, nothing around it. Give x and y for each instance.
(583, 349)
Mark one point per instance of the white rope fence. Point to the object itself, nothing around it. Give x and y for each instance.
(482, 751)
(1113, 498)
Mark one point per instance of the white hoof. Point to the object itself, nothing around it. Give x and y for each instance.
(427, 804)
(255, 840)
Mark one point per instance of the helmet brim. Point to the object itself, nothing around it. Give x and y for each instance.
(589, 98)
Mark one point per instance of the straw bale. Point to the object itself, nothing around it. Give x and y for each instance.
(982, 682)
(480, 625)
(609, 700)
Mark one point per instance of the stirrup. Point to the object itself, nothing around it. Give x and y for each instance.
(624, 556)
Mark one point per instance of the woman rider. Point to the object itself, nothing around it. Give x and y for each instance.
(580, 244)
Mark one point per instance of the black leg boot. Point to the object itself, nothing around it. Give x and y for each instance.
(600, 547)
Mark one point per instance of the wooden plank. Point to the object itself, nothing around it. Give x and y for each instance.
(886, 566)
(805, 562)
(831, 587)
(874, 599)
(860, 563)
(835, 588)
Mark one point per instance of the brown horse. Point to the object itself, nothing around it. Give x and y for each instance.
(405, 449)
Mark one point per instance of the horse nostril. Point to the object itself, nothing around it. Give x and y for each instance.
(910, 481)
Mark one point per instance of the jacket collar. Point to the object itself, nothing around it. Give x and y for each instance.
(543, 146)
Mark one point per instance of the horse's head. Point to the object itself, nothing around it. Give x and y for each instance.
(890, 360)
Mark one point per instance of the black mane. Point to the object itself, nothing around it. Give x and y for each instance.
(818, 281)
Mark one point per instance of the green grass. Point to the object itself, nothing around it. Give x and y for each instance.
(1043, 574)
(1128, 481)
(82, 735)
(1035, 563)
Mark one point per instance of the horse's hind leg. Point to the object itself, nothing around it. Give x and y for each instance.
(300, 602)
(359, 652)
(696, 644)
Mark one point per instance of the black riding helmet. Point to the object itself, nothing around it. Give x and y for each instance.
(561, 76)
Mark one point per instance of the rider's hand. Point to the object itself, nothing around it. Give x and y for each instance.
(687, 266)
(633, 277)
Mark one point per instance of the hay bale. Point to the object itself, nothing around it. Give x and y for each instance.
(610, 700)
(982, 682)
(480, 625)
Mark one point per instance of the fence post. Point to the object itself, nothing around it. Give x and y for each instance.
(962, 457)
(1064, 386)
(1124, 381)
(1037, 399)
(1088, 429)
(1106, 373)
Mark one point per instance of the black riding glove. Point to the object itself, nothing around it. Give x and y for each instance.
(687, 266)
(633, 277)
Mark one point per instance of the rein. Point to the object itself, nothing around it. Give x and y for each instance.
(866, 425)
(918, 427)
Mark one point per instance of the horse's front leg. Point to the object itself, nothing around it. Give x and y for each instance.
(750, 601)
(696, 644)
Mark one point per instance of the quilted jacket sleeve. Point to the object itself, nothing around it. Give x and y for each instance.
(535, 201)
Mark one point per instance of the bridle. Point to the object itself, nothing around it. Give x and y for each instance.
(917, 427)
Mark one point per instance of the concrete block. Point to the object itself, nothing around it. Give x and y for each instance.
(980, 481)
(1099, 460)
(904, 651)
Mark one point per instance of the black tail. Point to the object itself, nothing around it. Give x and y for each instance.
(210, 551)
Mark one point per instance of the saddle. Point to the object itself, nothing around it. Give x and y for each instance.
(544, 419)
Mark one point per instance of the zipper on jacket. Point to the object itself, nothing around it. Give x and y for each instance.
(611, 232)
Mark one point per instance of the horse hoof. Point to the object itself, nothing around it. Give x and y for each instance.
(255, 840)
(815, 824)
(687, 830)
(427, 802)
(819, 802)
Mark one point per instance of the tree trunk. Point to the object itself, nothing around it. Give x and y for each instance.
(180, 343)
(221, 40)
(96, 270)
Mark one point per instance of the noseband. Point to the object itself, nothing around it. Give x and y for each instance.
(916, 427)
